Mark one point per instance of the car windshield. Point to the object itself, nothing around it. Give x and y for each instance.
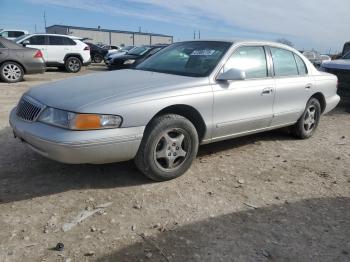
(196, 58)
(127, 48)
(347, 56)
(20, 38)
(138, 51)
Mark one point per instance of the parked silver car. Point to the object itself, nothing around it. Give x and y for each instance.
(16, 61)
(189, 93)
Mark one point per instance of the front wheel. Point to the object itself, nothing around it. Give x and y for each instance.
(308, 122)
(169, 146)
(73, 64)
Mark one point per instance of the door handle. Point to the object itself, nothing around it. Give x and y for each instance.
(308, 86)
(267, 91)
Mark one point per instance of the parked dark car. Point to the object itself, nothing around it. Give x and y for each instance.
(346, 48)
(340, 68)
(133, 57)
(120, 52)
(17, 60)
(97, 53)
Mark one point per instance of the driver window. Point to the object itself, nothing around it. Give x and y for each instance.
(250, 59)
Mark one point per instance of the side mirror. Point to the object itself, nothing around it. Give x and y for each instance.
(25, 42)
(232, 74)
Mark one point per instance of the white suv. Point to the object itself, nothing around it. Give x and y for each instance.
(12, 34)
(59, 50)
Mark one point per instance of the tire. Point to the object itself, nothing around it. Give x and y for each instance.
(73, 64)
(11, 72)
(98, 58)
(168, 148)
(308, 122)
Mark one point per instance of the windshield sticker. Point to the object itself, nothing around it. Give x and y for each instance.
(205, 52)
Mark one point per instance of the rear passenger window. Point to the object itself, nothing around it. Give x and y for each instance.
(68, 41)
(284, 62)
(56, 40)
(301, 65)
(15, 34)
(37, 40)
(251, 60)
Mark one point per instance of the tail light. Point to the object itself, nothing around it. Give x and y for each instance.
(38, 54)
(87, 48)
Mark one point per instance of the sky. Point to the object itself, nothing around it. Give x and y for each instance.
(320, 24)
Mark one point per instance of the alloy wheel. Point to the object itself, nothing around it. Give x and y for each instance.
(74, 65)
(310, 119)
(12, 72)
(172, 149)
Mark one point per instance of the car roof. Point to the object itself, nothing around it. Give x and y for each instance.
(244, 41)
(69, 36)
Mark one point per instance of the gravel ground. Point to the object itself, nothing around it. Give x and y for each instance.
(266, 197)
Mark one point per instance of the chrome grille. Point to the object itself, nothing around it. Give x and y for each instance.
(28, 109)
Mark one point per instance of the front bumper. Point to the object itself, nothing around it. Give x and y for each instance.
(78, 147)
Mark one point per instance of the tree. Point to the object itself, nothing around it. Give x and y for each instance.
(285, 42)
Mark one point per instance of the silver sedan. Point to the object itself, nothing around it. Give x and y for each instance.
(190, 93)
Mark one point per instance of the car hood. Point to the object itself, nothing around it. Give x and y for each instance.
(337, 64)
(79, 93)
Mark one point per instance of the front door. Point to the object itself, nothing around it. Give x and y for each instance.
(245, 105)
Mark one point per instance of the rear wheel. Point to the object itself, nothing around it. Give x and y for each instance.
(11, 72)
(98, 58)
(169, 146)
(73, 64)
(308, 122)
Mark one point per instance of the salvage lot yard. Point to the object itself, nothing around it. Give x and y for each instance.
(266, 197)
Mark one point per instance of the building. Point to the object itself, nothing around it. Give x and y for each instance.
(111, 37)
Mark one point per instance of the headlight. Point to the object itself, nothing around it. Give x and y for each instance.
(75, 121)
(129, 62)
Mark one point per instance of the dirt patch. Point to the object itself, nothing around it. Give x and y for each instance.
(266, 197)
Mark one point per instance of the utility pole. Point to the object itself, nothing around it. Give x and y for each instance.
(35, 28)
(199, 34)
(45, 20)
(194, 35)
(139, 29)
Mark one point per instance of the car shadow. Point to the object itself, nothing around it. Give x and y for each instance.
(25, 174)
(308, 230)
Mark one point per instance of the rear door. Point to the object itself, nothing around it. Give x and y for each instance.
(38, 42)
(293, 85)
(57, 49)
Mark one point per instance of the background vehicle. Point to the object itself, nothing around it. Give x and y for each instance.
(111, 48)
(12, 34)
(16, 60)
(97, 53)
(326, 58)
(314, 57)
(346, 48)
(340, 68)
(59, 50)
(133, 57)
(189, 93)
(119, 52)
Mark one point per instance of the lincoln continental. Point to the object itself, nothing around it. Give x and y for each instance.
(188, 94)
